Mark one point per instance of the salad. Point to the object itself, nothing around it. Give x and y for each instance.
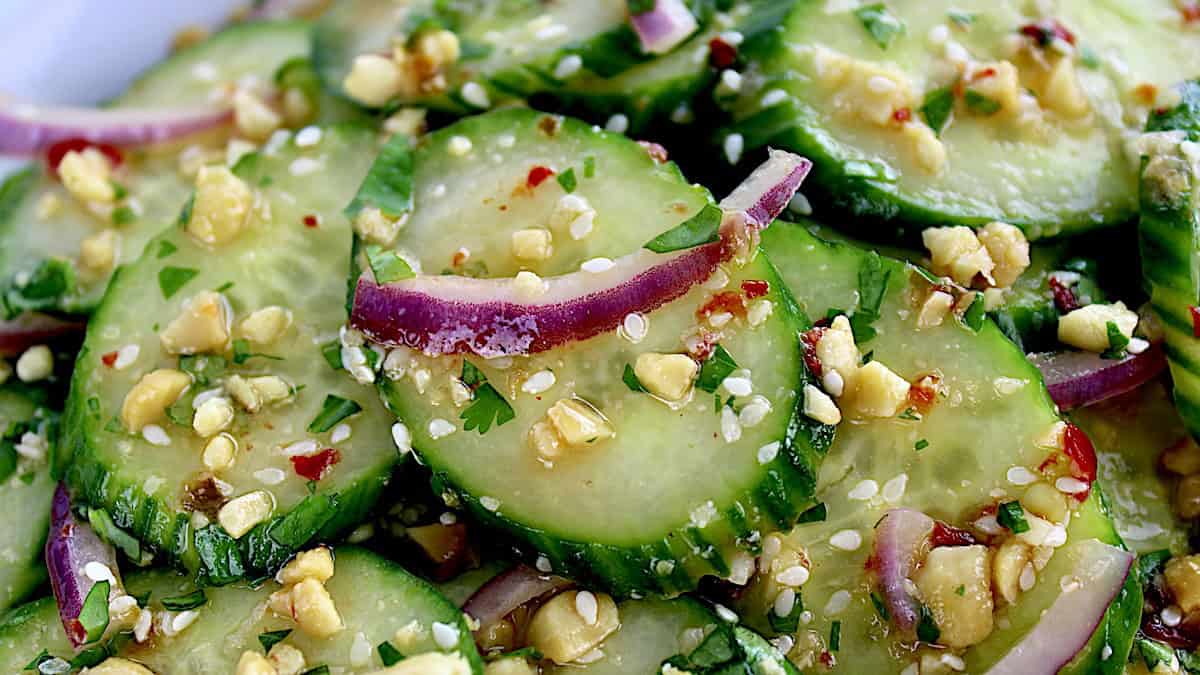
(531, 337)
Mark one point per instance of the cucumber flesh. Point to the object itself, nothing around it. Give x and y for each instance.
(374, 597)
(283, 262)
(1169, 225)
(950, 476)
(1075, 177)
(25, 488)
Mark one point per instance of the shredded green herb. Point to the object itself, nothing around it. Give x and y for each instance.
(389, 654)
(488, 406)
(937, 108)
(980, 104)
(181, 603)
(715, 369)
(1117, 342)
(1012, 516)
(333, 410)
(171, 279)
(631, 380)
(883, 26)
(702, 228)
(567, 180)
(93, 616)
(271, 638)
(388, 266)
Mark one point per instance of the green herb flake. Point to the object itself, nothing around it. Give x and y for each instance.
(487, 406)
(835, 636)
(715, 369)
(389, 183)
(205, 369)
(1089, 58)
(119, 191)
(921, 445)
(319, 670)
(927, 628)
(388, 266)
(883, 26)
(974, 317)
(979, 104)
(816, 514)
(242, 352)
(589, 166)
(1153, 652)
(333, 410)
(937, 108)
(103, 525)
(1012, 516)
(171, 279)
(389, 654)
(93, 616)
(1151, 563)
(1117, 342)
(961, 590)
(182, 603)
(910, 414)
(880, 608)
(960, 18)
(332, 351)
(271, 638)
(38, 660)
(631, 380)
(123, 215)
(640, 6)
(702, 228)
(224, 287)
(567, 180)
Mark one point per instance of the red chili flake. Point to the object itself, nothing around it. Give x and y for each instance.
(725, 301)
(826, 659)
(755, 288)
(902, 115)
(56, 152)
(538, 175)
(923, 394)
(704, 348)
(460, 256)
(1147, 92)
(1045, 32)
(721, 54)
(657, 152)
(109, 359)
(1190, 12)
(1195, 312)
(986, 72)
(1064, 297)
(809, 339)
(314, 467)
(311, 221)
(948, 535)
(1078, 447)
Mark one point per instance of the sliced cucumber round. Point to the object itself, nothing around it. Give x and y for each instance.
(949, 462)
(374, 597)
(1169, 229)
(25, 488)
(293, 254)
(1048, 172)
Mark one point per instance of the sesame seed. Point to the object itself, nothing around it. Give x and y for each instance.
(1171, 615)
(1028, 577)
(270, 476)
(155, 435)
(587, 607)
(184, 619)
(543, 564)
(1071, 486)
(784, 603)
(956, 53)
(445, 635)
(725, 614)
(894, 489)
(98, 571)
(539, 382)
(617, 124)
(303, 166)
(731, 81)
(664, 567)
(738, 384)
(402, 438)
(753, 413)
(308, 137)
(301, 449)
(360, 651)
(773, 98)
(506, 141)
(731, 428)
(768, 453)
(597, 265)
(568, 66)
(476, 95)
(340, 433)
(440, 428)
(1106, 653)
(582, 225)
(634, 327)
(846, 540)
(126, 356)
(796, 575)
(864, 490)
(734, 145)
(1137, 345)
(939, 34)
(490, 503)
(1019, 475)
(838, 602)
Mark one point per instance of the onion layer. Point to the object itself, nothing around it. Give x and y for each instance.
(495, 317)
(663, 28)
(28, 330)
(1078, 379)
(505, 593)
(28, 129)
(900, 538)
(70, 547)
(1067, 626)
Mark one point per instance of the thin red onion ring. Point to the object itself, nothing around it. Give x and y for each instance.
(663, 28)
(30, 329)
(1078, 379)
(27, 129)
(70, 546)
(505, 593)
(491, 317)
(900, 537)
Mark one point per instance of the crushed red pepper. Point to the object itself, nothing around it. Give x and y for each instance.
(316, 467)
(755, 288)
(538, 175)
(721, 54)
(56, 152)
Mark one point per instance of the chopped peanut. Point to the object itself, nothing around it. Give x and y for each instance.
(254, 119)
(373, 79)
(265, 326)
(438, 47)
(532, 244)
(1183, 458)
(509, 666)
(964, 618)
(1045, 500)
(287, 659)
(543, 438)
(221, 206)
(1183, 578)
(371, 224)
(316, 563)
(202, 326)
(313, 608)
(429, 663)
(1008, 249)
(877, 392)
(220, 453)
(999, 82)
(271, 388)
(957, 253)
(115, 665)
(667, 376)
(98, 253)
(1007, 564)
(529, 285)
(820, 407)
(87, 175)
(280, 602)
(867, 89)
(35, 364)
(253, 663)
(241, 514)
(927, 149)
(836, 350)
(406, 122)
(560, 632)
(1062, 92)
(935, 309)
(212, 417)
(149, 399)
(255, 392)
(1087, 327)
(578, 423)
(572, 213)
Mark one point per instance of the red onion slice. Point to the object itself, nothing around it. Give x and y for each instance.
(1078, 379)
(491, 317)
(900, 538)
(505, 593)
(70, 547)
(27, 129)
(663, 28)
(28, 330)
(1067, 626)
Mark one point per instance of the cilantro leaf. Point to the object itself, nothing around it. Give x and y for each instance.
(487, 406)
(180, 603)
(816, 514)
(567, 180)
(979, 104)
(631, 380)
(171, 279)
(715, 369)
(975, 314)
(242, 353)
(389, 654)
(387, 266)
(93, 616)
(927, 628)
(883, 26)
(786, 624)
(1117, 342)
(937, 108)
(389, 183)
(271, 638)
(333, 410)
(1012, 516)
(700, 229)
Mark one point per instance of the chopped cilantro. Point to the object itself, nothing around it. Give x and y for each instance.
(114, 426)
(487, 404)
(937, 108)
(181, 603)
(123, 215)
(204, 369)
(103, 525)
(835, 636)
(271, 638)
(961, 590)
(883, 26)
(171, 279)
(880, 607)
(567, 180)
(387, 266)
(1012, 516)
(975, 314)
(389, 183)
(927, 628)
(319, 670)
(93, 616)
(816, 514)
(715, 369)
(52, 279)
(910, 414)
(37, 661)
(1153, 652)
(389, 654)
(698, 230)
(185, 214)
(333, 410)
(1089, 58)
(1117, 342)
(119, 191)
(332, 351)
(1149, 564)
(962, 19)
(921, 445)
(979, 104)
(589, 166)
(224, 287)
(631, 380)
(242, 353)
(872, 287)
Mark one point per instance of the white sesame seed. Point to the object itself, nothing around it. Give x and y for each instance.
(738, 385)
(506, 141)
(773, 98)
(846, 540)
(270, 476)
(1019, 475)
(597, 265)
(833, 382)
(1171, 615)
(894, 489)
(582, 225)
(1106, 653)
(155, 435)
(800, 205)
(725, 614)
(784, 603)
(476, 95)
(308, 137)
(703, 514)
(184, 619)
(956, 53)
(126, 356)
(551, 32)
(634, 327)
(205, 72)
(489, 503)
(121, 604)
(795, 576)
(734, 145)
(543, 564)
(1071, 486)
(731, 428)
(731, 81)
(768, 453)
(939, 34)
(459, 146)
(864, 490)
(445, 635)
(303, 166)
(879, 84)
(617, 124)
(35, 364)
(753, 413)
(98, 571)
(440, 428)
(1028, 577)
(838, 602)
(301, 448)
(402, 438)
(1137, 345)
(953, 661)
(568, 66)
(587, 607)
(539, 382)
(340, 433)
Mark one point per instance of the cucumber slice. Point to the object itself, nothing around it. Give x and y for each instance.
(374, 597)
(1169, 230)
(25, 488)
(634, 196)
(949, 462)
(1075, 176)
(284, 262)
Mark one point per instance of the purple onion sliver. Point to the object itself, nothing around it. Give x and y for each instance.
(70, 546)
(500, 596)
(27, 129)
(1079, 379)
(899, 538)
(32, 329)
(663, 28)
(768, 190)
